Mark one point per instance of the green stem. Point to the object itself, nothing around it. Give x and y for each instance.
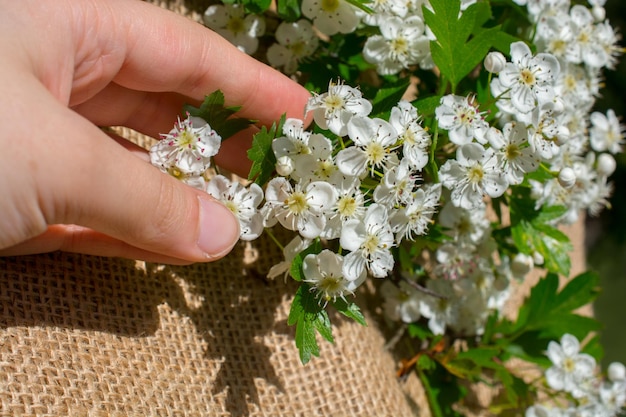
(430, 395)
(268, 231)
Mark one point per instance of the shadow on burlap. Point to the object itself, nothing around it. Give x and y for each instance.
(83, 335)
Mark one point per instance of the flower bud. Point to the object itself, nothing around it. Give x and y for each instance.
(494, 62)
(284, 166)
(616, 372)
(538, 258)
(599, 13)
(567, 178)
(521, 265)
(606, 164)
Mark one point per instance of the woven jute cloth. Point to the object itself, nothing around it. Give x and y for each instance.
(84, 335)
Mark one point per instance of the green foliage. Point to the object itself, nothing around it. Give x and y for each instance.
(531, 230)
(219, 116)
(296, 265)
(261, 154)
(462, 42)
(310, 318)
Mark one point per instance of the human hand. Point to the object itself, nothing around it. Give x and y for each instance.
(70, 66)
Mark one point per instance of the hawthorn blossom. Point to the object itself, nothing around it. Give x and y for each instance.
(414, 219)
(414, 138)
(396, 186)
(324, 272)
(461, 118)
(299, 150)
(517, 157)
(373, 140)
(295, 41)
(401, 302)
(299, 208)
(475, 172)
(334, 109)
(331, 16)
(606, 132)
(187, 149)
(242, 202)
(584, 48)
(350, 205)
(402, 43)
(529, 78)
(232, 23)
(439, 310)
(369, 241)
(465, 226)
(569, 367)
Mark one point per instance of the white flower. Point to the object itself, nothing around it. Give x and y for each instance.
(331, 16)
(293, 248)
(606, 132)
(584, 47)
(334, 109)
(475, 172)
(373, 140)
(414, 138)
(231, 22)
(471, 226)
(385, 8)
(188, 148)
(414, 219)
(529, 78)
(303, 148)
(295, 41)
(616, 372)
(369, 242)
(324, 272)
(460, 116)
(242, 201)
(401, 302)
(402, 43)
(350, 205)
(438, 310)
(396, 186)
(569, 367)
(517, 157)
(299, 209)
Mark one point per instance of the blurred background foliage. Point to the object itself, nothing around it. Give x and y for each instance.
(606, 235)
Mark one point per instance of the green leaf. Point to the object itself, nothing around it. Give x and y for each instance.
(443, 390)
(389, 96)
(262, 155)
(288, 10)
(350, 310)
(296, 265)
(426, 106)
(256, 6)
(578, 292)
(310, 318)
(461, 41)
(218, 116)
(531, 231)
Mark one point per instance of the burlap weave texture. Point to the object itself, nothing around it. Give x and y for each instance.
(83, 335)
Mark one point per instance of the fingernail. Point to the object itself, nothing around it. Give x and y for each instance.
(219, 229)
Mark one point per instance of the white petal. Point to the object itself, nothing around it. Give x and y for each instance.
(352, 161)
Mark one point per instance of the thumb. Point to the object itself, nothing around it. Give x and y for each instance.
(102, 186)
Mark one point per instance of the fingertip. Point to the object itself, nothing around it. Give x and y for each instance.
(218, 228)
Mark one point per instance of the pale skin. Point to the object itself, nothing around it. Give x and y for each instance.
(70, 66)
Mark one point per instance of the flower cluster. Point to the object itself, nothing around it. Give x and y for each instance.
(409, 185)
(576, 374)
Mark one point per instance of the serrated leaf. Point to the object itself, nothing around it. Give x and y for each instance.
(310, 318)
(350, 310)
(461, 41)
(578, 292)
(296, 265)
(262, 155)
(218, 116)
(389, 96)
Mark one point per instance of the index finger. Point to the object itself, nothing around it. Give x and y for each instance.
(168, 52)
